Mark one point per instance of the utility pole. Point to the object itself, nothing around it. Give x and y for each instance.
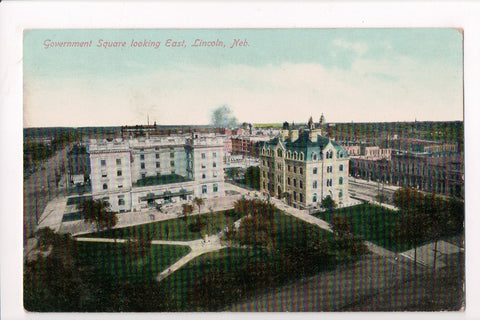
(36, 207)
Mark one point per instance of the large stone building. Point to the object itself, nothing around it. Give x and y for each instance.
(135, 173)
(303, 167)
(438, 173)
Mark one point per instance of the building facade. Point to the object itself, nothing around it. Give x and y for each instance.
(440, 173)
(136, 173)
(302, 167)
(248, 146)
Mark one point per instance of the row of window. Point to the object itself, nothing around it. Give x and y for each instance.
(205, 189)
(296, 156)
(105, 186)
(103, 162)
(105, 175)
(214, 174)
(204, 166)
(204, 155)
(300, 182)
(121, 200)
(157, 164)
(157, 156)
(315, 170)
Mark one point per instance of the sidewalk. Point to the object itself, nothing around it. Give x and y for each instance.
(143, 216)
(198, 247)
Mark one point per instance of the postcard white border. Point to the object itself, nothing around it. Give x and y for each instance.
(19, 15)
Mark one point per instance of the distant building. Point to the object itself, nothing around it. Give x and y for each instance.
(132, 174)
(248, 146)
(303, 167)
(78, 164)
(434, 172)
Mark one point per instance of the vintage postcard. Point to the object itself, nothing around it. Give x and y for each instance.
(243, 170)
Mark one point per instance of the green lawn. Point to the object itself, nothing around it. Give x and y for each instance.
(228, 259)
(373, 223)
(289, 231)
(178, 229)
(111, 261)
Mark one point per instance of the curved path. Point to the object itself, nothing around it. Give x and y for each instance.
(198, 248)
(307, 217)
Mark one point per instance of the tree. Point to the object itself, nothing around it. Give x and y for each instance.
(198, 202)
(232, 173)
(412, 229)
(252, 177)
(341, 225)
(46, 238)
(98, 212)
(328, 203)
(222, 117)
(408, 199)
(346, 244)
(257, 228)
(186, 210)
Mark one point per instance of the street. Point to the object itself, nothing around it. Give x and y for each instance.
(39, 188)
(368, 190)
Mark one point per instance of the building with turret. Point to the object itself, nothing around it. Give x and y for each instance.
(303, 167)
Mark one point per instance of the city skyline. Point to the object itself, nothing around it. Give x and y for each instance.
(359, 75)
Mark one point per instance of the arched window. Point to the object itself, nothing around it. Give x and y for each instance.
(314, 156)
(301, 156)
(295, 155)
(279, 153)
(340, 167)
(314, 197)
(340, 180)
(105, 186)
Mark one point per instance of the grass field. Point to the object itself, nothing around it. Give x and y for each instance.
(228, 259)
(111, 262)
(288, 231)
(174, 229)
(373, 223)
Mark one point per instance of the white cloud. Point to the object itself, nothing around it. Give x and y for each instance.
(359, 47)
(394, 90)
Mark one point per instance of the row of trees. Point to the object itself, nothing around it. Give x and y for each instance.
(64, 282)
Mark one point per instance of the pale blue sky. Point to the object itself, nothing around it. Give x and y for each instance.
(284, 74)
